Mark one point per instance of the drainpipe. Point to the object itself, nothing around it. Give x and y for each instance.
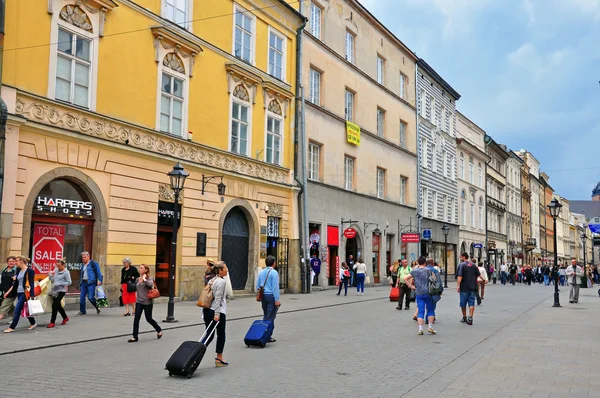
(419, 150)
(3, 108)
(299, 139)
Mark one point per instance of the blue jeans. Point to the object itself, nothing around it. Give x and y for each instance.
(269, 308)
(21, 302)
(503, 277)
(546, 280)
(562, 280)
(89, 291)
(467, 298)
(424, 302)
(360, 283)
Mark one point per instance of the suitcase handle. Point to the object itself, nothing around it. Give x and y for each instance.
(204, 336)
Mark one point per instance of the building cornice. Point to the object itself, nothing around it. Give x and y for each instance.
(473, 148)
(52, 113)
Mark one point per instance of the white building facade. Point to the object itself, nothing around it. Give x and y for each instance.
(535, 186)
(497, 243)
(513, 208)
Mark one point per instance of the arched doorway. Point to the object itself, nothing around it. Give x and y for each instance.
(472, 250)
(463, 248)
(235, 247)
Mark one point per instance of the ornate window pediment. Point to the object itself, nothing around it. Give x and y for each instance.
(275, 108)
(272, 92)
(77, 13)
(183, 49)
(172, 61)
(237, 75)
(241, 92)
(76, 17)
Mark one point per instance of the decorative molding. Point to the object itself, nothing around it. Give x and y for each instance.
(166, 194)
(169, 39)
(274, 93)
(237, 75)
(275, 210)
(76, 17)
(44, 111)
(172, 61)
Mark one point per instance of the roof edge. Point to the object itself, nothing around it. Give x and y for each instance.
(430, 71)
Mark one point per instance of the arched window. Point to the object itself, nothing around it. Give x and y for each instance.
(274, 133)
(172, 95)
(240, 120)
(462, 166)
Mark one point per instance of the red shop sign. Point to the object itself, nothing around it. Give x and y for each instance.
(350, 233)
(48, 244)
(411, 238)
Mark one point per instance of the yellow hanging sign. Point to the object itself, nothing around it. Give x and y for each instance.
(353, 133)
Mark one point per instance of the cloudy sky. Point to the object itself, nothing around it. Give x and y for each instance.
(528, 72)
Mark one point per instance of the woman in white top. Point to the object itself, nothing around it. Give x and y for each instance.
(344, 277)
(360, 272)
(482, 280)
(217, 310)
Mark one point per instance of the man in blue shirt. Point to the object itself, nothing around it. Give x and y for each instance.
(270, 303)
(90, 277)
(315, 264)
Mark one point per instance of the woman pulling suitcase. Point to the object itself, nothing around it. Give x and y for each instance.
(217, 310)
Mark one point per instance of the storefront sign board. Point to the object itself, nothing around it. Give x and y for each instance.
(47, 248)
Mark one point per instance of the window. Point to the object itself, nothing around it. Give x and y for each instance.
(380, 69)
(176, 11)
(423, 152)
(444, 207)
(424, 202)
(380, 122)
(348, 173)
(443, 118)
(171, 105)
(273, 154)
(314, 94)
(243, 36)
(423, 101)
(445, 163)
(452, 214)
(481, 226)
(434, 201)
(463, 212)
(452, 169)
(276, 55)
(380, 183)
(403, 187)
(432, 113)
(349, 105)
(349, 47)
(499, 226)
(402, 85)
(73, 68)
(315, 20)
(479, 177)
(402, 134)
(240, 120)
(462, 166)
(472, 215)
(471, 177)
(314, 161)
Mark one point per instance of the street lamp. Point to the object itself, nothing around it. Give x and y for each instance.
(445, 230)
(555, 207)
(177, 177)
(584, 279)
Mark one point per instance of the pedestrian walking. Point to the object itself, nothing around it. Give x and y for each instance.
(512, 272)
(22, 281)
(143, 303)
(129, 276)
(269, 278)
(482, 280)
(394, 271)
(418, 280)
(350, 262)
(7, 307)
(215, 316)
(344, 277)
(574, 272)
(360, 273)
(466, 286)
(61, 280)
(562, 274)
(405, 290)
(90, 277)
(503, 274)
(437, 297)
(546, 273)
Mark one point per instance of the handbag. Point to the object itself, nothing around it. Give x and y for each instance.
(131, 287)
(153, 293)
(261, 290)
(206, 296)
(34, 307)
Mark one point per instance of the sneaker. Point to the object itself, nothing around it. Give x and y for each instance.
(407, 308)
(420, 333)
(463, 320)
(398, 308)
(469, 321)
(51, 325)
(64, 322)
(431, 331)
(81, 313)
(97, 311)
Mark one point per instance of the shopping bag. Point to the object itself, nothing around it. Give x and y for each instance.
(46, 301)
(100, 293)
(367, 280)
(101, 300)
(34, 307)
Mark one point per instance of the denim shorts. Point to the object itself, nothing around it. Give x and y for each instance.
(467, 298)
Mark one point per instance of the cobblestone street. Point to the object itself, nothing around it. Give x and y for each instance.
(327, 346)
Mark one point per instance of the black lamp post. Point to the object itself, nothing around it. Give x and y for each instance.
(445, 230)
(177, 176)
(555, 207)
(584, 279)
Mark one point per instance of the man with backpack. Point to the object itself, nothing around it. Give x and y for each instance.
(466, 286)
(90, 277)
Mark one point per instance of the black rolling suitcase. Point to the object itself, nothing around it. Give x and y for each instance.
(187, 357)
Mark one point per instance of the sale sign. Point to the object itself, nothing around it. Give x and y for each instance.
(48, 244)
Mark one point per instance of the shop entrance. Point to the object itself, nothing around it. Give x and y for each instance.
(235, 246)
(164, 237)
(62, 226)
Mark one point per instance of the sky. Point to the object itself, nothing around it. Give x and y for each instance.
(528, 72)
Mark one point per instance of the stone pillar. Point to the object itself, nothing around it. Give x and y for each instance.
(9, 192)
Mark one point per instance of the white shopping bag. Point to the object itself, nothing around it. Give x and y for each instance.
(228, 287)
(34, 307)
(100, 293)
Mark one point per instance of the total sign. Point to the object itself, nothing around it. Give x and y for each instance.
(48, 245)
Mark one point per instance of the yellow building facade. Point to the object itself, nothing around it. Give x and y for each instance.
(105, 97)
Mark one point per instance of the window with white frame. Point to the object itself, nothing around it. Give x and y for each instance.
(276, 55)
(349, 47)
(380, 70)
(432, 113)
(471, 172)
(463, 208)
(73, 68)
(444, 208)
(403, 134)
(402, 85)
(403, 187)
(452, 168)
(380, 183)
(171, 104)
(243, 36)
(349, 105)
(443, 118)
(348, 173)
(472, 215)
(240, 120)
(445, 163)
(425, 202)
(423, 101)
(481, 226)
(424, 152)
(314, 161)
(177, 11)
(274, 133)
(461, 169)
(434, 202)
(315, 20)
(380, 122)
(479, 177)
(314, 92)
(452, 215)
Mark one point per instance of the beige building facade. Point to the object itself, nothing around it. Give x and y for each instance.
(359, 92)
